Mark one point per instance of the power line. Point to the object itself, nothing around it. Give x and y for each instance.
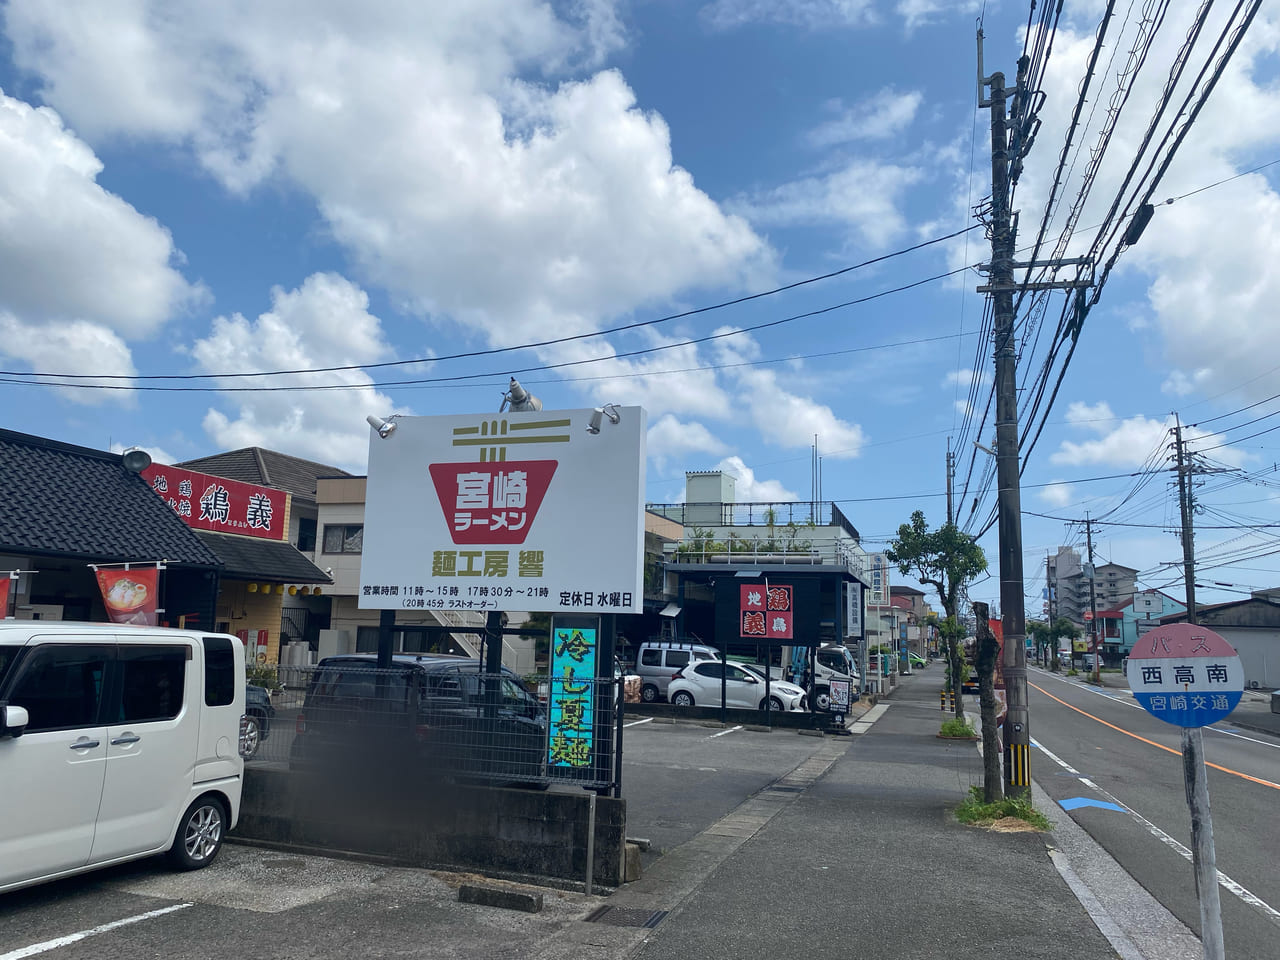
(522, 346)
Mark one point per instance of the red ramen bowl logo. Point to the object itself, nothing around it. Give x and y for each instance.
(491, 502)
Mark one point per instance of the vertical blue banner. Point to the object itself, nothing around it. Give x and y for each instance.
(570, 734)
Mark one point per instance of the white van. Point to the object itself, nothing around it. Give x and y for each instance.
(658, 660)
(116, 743)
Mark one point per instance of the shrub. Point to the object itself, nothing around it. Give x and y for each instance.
(956, 728)
(263, 675)
(974, 810)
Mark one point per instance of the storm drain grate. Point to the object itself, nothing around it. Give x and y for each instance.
(785, 788)
(625, 917)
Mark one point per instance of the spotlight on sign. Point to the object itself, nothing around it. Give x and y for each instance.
(598, 415)
(385, 428)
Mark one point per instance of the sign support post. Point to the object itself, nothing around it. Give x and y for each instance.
(1190, 676)
(1202, 852)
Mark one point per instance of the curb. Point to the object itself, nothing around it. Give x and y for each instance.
(487, 896)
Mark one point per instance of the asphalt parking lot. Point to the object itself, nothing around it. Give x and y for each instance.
(678, 779)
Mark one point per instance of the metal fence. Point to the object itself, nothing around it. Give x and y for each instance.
(439, 718)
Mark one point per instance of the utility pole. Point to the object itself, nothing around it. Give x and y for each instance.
(951, 472)
(1093, 602)
(1203, 857)
(1017, 747)
(1002, 231)
(1188, 538)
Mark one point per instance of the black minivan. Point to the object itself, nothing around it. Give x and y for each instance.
(440, 713)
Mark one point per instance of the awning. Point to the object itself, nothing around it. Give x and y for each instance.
(256, 559)
(670, 610)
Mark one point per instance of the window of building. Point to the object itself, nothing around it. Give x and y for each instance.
(306, 534)
(343, 538)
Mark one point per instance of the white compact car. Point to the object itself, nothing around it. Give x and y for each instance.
(699, 684)
(116, 743)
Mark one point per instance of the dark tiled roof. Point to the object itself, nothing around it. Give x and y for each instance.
(264, 559)
(57, 498)
(266, 468)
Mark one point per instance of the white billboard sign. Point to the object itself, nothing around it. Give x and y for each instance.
(853, 609)
(878, 595)
(515, 511)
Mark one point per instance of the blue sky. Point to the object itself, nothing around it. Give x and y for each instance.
(192, 189)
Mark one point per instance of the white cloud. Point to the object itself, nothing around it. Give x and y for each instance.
(862, 196)
(1181, 384)
(1080, 413)
(325, 322)
(1058, 494)
(812, 14)
(671, 439)
(781, 415)
(449, 147)
(71, 251)
(885, 115)
(1206, 259)
(75, 346)
(748, 489)
(918, 13)
(1137, 441)
(1128, 445)
(965, 378)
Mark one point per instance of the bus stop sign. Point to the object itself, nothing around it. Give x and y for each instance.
(1185, 675)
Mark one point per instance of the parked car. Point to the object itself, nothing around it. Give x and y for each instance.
(429, 710)
(916, 660)
(658, 661)
(783, 694)
(117, 743)
(259, 714)
(700, 684)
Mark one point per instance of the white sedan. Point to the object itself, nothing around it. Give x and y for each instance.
(699, 684)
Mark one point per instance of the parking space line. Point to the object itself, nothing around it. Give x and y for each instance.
(712, 737)
(70, 938)
(636, 723)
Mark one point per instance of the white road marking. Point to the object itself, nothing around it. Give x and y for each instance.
(70, 938)
(1128, 701)
(636, 723)
(712, 737)
(1223, 880)
(1241, 736)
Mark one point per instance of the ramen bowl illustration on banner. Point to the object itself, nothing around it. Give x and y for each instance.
(126, 596)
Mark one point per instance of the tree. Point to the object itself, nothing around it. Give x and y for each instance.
(988, 649)
(946, 559)
(1047, 635)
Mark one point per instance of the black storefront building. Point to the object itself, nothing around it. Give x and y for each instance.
(65, 507)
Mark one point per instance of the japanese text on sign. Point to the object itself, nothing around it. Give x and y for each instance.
(570, 733)
(766, 612)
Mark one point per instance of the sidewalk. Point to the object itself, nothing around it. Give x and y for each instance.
(858, 854)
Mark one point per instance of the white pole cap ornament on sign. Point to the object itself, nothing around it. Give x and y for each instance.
(1185, 674)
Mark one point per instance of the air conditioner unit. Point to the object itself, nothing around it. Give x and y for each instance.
(1254, 684)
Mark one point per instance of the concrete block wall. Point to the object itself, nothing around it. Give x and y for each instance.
(423, 822)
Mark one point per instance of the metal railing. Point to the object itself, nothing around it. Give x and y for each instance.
(758, 548)
(455, 722)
